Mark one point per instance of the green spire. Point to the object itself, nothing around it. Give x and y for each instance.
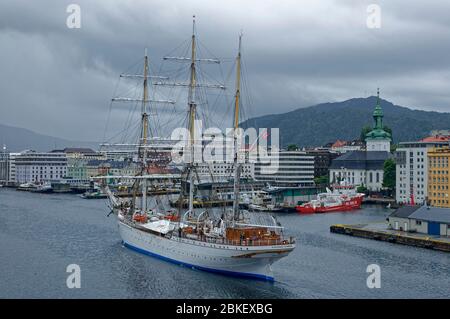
(378, 113)
(378, 132)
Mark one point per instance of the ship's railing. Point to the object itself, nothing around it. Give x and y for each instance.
(243, 242)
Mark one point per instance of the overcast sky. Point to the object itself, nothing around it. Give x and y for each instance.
(59, 81)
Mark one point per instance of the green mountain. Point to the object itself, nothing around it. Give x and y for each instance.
(319, 124)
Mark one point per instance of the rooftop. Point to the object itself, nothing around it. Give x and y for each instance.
(361, 160)
(81, 150)
(436, 138)
(425, 213)
(434, 214)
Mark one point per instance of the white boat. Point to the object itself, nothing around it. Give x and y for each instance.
(43, 188)
(230, 244)
(260, 201)
(211, 251)
(26, 187)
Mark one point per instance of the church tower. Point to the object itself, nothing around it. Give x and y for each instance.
(378, 139)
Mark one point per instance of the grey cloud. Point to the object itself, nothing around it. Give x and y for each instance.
(59, 81)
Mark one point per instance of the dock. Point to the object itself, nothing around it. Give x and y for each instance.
(379, 200)
(379, 231)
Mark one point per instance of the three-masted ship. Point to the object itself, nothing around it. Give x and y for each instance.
(230, 244)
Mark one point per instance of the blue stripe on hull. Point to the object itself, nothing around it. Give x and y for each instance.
(212, 270)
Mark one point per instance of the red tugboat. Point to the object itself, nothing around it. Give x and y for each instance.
(342, 198)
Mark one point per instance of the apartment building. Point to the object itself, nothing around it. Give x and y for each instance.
(439, 177)
(412, 170)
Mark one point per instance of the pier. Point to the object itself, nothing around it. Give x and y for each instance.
(378, 231)
(380, 200)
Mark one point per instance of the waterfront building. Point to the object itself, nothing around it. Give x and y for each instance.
(76, 168)
(421, 219)
(223, 171)
(365, 167)
(82, 153)
(290, 168)
(322, 161)
(12, 173)
(290, 197)
(411, 181)
(78, 159)
(4, 159)
(439, 177)
(31, 166)
(360, 168)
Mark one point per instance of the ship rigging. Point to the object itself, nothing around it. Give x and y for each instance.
(232, 243)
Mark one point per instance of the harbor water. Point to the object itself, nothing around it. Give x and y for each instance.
(41, 234)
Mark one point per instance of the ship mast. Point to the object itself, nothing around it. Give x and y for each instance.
(143, 141)
(144, 134)
(192, 105)
(192, 111)
(237, 166)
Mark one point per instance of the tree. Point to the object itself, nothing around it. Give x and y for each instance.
(393, 147)
(389, 174)
(292, 147)
(321, 180)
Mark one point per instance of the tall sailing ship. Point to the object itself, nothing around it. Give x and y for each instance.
(232, 243)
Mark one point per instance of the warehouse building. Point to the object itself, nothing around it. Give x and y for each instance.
(428, 220)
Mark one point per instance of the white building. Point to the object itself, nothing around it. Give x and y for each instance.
(289, 168)
(360, 168)
(4, 159)
(32, 166)
(12, 176)
(365, 168)
(411, 181)
(223, 171)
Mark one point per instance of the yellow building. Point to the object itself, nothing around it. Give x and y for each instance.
(439, 177)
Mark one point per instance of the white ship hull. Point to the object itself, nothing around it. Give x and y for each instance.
(241, 261)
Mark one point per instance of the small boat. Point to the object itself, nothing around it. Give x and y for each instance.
(264, 208)
(43, 188)
(260, 201)
(26, 187)
(94, 195)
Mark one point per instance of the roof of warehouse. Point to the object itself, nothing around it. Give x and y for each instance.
(433, 214)
(404, 211)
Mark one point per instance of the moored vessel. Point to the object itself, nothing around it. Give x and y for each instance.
(342, 198)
